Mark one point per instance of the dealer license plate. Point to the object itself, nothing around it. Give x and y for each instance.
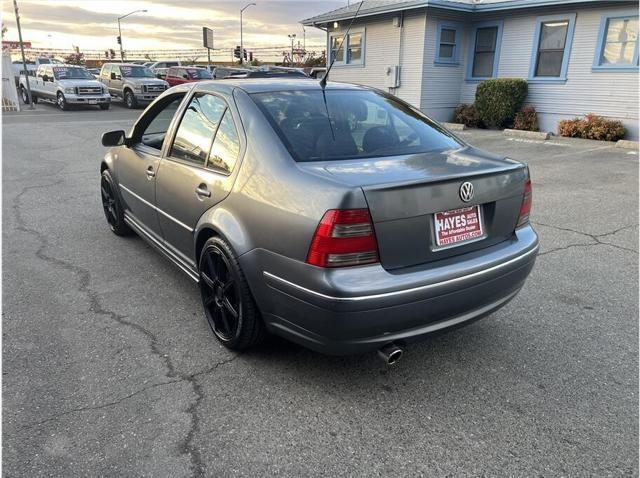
(458, 226)
(93, 102)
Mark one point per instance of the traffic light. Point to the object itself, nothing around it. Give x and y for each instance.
(245, 53)
(112, 53)
(119, 40)
(106, 54)
(236, 52)
(250, 56)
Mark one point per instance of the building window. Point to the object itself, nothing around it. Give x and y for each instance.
(352, 52)
(617, 46)
(485, 50)
(447, 41)
(552, 47)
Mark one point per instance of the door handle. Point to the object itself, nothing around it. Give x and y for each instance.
(202, 191)
(150, 173)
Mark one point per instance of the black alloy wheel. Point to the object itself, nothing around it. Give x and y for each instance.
(111, 206)
(220, 296)
(228, 304)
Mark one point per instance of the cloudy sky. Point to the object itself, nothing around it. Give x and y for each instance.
(177, 24)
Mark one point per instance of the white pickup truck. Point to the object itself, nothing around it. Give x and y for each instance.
(66, 85)
(32, 65)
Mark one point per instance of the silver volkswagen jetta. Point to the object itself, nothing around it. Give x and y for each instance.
(340, 217)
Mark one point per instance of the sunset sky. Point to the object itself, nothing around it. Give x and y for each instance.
(92, 25)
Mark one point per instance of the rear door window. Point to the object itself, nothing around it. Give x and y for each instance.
(226, 147)
(197, 129)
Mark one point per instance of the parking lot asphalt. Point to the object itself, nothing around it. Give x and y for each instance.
(110, 369)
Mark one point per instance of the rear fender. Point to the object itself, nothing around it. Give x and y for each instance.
(223, 223)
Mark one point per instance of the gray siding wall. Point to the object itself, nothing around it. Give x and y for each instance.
(437, 90)
(611, 94)
(442, 84)
(383, 49)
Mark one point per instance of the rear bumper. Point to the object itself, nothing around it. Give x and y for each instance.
(352, 310)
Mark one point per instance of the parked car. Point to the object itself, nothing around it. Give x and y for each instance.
(66, 85)
(135, 84)
(160, 68)
(177, 75)
(317, 72)
(270, 72)
(32, 65)
(221, 72)
(366, 226)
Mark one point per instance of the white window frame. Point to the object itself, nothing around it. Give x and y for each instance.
(345, 47)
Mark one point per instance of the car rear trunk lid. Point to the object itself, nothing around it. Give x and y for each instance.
(404, 193)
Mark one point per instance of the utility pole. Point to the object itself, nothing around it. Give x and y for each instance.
(241, 41)
(120, 31)
(292, 37)
(24, 60)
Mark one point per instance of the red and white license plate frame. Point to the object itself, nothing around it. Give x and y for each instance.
(457, 227)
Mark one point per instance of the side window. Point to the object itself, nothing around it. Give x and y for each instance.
(617, 46)
(106, 70)
(197, 128)
(116, 69)
(447, 43)
(484, 52)
(226, 146)
(156, 122)
(552, 45)
(40, 71)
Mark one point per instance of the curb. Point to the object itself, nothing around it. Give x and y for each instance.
(626, 144)
(527, 134)
(455, 126)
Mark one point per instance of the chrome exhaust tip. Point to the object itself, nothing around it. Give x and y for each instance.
(390, 353)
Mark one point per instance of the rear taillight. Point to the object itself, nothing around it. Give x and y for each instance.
(344, 237)
(525, 208)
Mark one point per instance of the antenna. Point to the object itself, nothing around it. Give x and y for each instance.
(323, 81)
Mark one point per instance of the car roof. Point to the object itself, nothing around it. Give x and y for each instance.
(121, 64)
(265, 85)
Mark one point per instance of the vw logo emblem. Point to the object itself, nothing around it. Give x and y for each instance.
(466, 191)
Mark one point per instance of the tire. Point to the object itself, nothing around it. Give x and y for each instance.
(130, 99)
(105, 106)
(113, 211)
(25, 95)
(61, 101)
(228, 304)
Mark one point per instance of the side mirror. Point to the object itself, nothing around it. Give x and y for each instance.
(114, 76)
(185, 76)
(45, 77)
(114, 138)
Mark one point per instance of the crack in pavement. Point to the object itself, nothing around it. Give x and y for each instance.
(96, 307)
(131, 395)
(596, 238)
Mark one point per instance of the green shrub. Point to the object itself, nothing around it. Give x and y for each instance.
(468, 116)
(497, 101)
(592, 126)
(526, 119)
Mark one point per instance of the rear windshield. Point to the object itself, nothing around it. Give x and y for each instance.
(198, 73)
(140, 71)
(347, 124)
